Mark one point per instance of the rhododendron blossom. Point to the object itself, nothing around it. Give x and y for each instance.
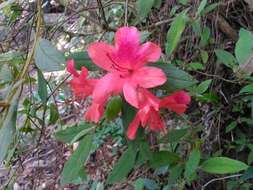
(125, 63)
(81, 86)
(127, 73)
(148, 114)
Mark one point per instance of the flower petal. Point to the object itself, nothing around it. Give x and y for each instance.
(177, 102)
(127, 37)
(149, 77)
(81, 87)
(71, 68)
(148, 52)
(144, 115)
(155, 122)
(133, 127)
(127, 44)
(111, 83)
(95, 112)
(130, 94)
(100, 52)
(147, 99)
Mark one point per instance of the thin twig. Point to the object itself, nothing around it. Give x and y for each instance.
(217, 76)
(219, 179)
(160, 23)
(126, 13)
(101, 8)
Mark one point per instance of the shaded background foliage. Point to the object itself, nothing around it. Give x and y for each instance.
(207, 49)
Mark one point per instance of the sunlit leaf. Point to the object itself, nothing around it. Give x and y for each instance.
(174, 34)
(223, 165)
(203, 86)
(144, 7)
(201, 7)
(244, 46)
(47, 57)
(247, 89)
(139, 184)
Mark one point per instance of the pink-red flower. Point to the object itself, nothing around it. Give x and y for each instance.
(148, 113)
(81, 86)
(125, 63)
(127, 73)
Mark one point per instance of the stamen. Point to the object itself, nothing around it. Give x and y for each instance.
(116, 66)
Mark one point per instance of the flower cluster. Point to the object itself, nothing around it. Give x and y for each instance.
(127, 73)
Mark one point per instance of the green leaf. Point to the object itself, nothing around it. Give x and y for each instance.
(196, 26)
(145, 153)
(183, 2)
(223, 165)
(42, 87)
(150, 184)
(247, 89)
(201, 7)
(195, 66)
(113, 108)
(123, 166)
(157, 4)
(248, 174)
(144, 35)
(174, 34)
(144, 7)
(204, 38)
(210, 8)
(176, 78)
(5, 74)
(128, 114)
(163, 158)
(244, 46)
(175, 173)
(47, 57)
(176, 134)
(8, 128)
(139, 184)
(231, 126)
(250, 157)
(11, 57)
(192, 164)
(82, 59)
(67, 135)
(82, 133)
(54, 115)
(74, 166)
(226, 58)
(204, 56)
(203, 86)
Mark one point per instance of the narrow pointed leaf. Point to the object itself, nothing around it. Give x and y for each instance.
(223, 165)
(123, 166)
(75, 165)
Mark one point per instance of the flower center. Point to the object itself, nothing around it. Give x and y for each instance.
(123, 71)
